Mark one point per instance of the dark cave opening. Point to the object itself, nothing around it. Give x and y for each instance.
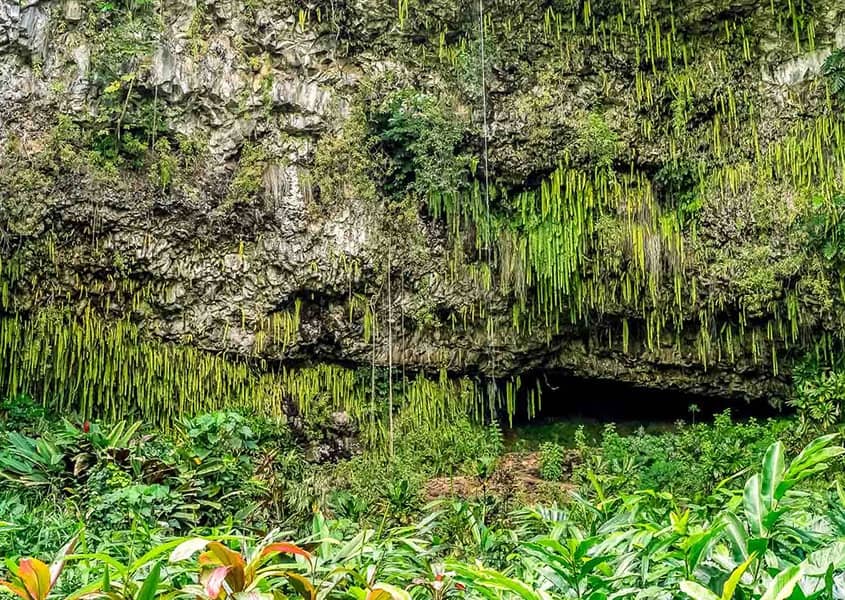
(598, 401)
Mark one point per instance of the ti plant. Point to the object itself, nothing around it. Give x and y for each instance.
(253, 575)
(32, 579)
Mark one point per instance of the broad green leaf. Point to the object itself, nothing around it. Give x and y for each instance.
(696, 591)
(784, 582)
(481, 577)
(758, 545)
(584, 547)
(733, 581)
(148, 590)
(752, 500)
(832, 556)
(816, 451)
(773, 469)
(737, 535)
(698, 544)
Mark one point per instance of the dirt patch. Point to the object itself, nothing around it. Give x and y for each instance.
(516, 475)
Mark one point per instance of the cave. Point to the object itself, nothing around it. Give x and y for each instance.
(566, 397)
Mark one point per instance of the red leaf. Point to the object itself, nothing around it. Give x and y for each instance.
(214, 583)
(285, 548)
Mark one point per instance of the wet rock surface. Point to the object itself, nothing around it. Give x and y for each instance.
(222, 79)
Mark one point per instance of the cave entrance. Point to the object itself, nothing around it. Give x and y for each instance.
(569, 402)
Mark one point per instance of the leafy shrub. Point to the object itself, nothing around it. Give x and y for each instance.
(826, 230)
(220, 432)
(818, 394)
(153, 503)
(347, 506)
(834, 69)
(165, 163)
(29, 528)
(677, 183)
(597, 143)
(450, 448)
(221, 465)
(690, 462)
(552, 458)
(421, 139)
(20, 413)
(394, 485)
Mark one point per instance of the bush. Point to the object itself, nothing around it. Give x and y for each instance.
(393, 486)
(20, 413)
(689, 462)
(421, 139)
(552, 458)
(597, 143)
(834, 70)
(677, 183)
(818, 393)
(825, 227)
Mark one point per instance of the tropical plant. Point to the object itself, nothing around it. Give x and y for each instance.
(818, 394)
(644, 546)
(20, 412)
(225, 573)
(552, 457)
(834, 69)
(32, 462)
(32, 579)
(421, 139)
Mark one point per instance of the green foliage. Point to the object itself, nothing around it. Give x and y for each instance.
(818, 394)
(690, 462)
(758, 541)
(20, 413)
(834, 70)
(345, 164)
(145, 503)
(220, 432)
(826, 229)
(552, 457)
(677, 183)
(165, 163)
(394, 485)
(214, 466)
(248, 181)
(32, 462)
(597, 143)
(28, 528)
(128, 118)
(421, 139)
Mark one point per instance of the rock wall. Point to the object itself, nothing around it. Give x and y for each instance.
(304, 181)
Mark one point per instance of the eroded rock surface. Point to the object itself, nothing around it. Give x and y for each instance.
(258, 207)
